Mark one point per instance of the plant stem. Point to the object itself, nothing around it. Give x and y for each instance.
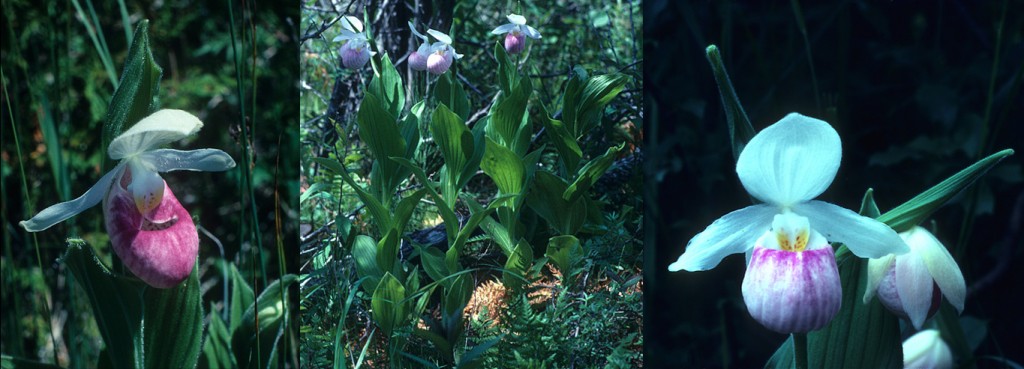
(800, 350)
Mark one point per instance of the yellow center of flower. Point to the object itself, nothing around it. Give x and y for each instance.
(791, 231)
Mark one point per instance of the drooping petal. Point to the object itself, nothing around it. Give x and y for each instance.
(516, 19)
(504, 28)
(790, 161)
(876, 271)
(160, 249)
(865, 237)
(915, 287)
(162, 127)
(940, 263)
(792, 292)
(733, 233)
(440, 36)
(59, 212)
(202, 160)
(146, 187)
(532, 32)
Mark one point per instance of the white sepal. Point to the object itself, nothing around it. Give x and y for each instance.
(59, 212)
(164, 126)
(915, 287)
(516, 19)
(940, 263)
(865, 237)
(733, 233)
(440, 36)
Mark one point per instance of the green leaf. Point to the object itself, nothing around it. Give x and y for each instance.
(521, 259)
(173, 322)
(388, 304)
(136, 94)
(380, 214)
(451, 221)
(868, 207)
(506, 69)
(911, 213)
(457, 147)
(471, 359)
(379, 129)
(564, 251)
(569, 151)
(598, 91)
(498, 233)
(457, 296)
(434, 263)
(546, 200)
(10, 362)
(387, 251)
(217, 348)
(388, 88)
(405, 209)
(504, 167)
(452, 95)
(590, 173)
(271, 313)
(364, 252)
(740, 130)
(116, 301)
(507, 115)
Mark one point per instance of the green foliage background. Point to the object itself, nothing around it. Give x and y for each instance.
(58, 81)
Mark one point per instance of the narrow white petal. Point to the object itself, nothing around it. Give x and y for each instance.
(59, 212)
(417, 33)
(865, 237)
(733, 233)
(160, 128)
(940, 263)
(504, 28)
(876, 271)
(532, 32)
(203, 160)
(440, 36)
(915, 287)
(792, 160)
(516, 19)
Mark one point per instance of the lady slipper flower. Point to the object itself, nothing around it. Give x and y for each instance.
(912, 285)
(418, 58)
(355, 52)
(149, 229)
(791, 283)
(441, 53)
(516, 32)
(926, 350)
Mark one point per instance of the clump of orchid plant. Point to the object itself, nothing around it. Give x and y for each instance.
(355, 51)
(912, 285)
(516, 31)
(149, 229)
(792, 282)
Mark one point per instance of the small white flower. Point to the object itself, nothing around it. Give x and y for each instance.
(517, 24)
(911, 285)
(926, 350)
(355, 51)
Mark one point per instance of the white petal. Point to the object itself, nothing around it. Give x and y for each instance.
(876, 271)
(440, 36)
(865, 237)
(59, 212)
(352, 23)
(504, 28)
(162, 127)
(915, 287)
(532, 32)
(417, 33)
(147, 188)
(792, 160)
(204, 160)
(926, 349)
(516, 19)
(940, 264)
(733, 233)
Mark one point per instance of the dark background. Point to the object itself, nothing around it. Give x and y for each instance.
(905, 83)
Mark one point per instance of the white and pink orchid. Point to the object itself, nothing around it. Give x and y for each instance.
(792, 283)
(355, 51)
(516, 31)
(149, 229)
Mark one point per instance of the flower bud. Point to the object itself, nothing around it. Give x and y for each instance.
(926, 349)
(160, 246)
